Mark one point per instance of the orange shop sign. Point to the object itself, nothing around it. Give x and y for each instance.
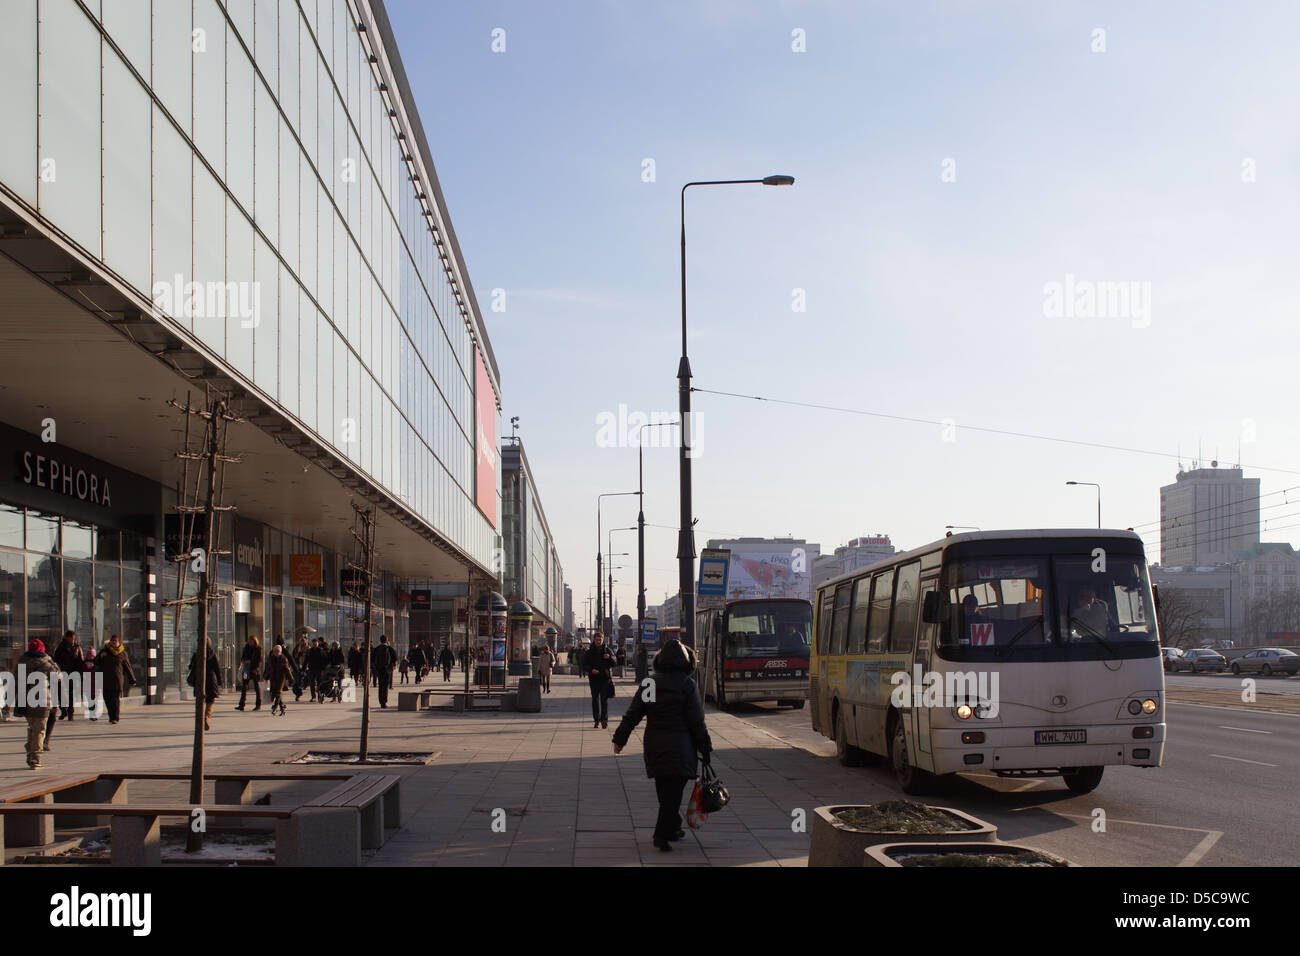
(306, 571)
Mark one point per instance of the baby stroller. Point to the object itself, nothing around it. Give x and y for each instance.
(331, 685)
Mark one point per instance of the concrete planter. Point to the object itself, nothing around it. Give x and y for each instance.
(892, 854)
(835, 843)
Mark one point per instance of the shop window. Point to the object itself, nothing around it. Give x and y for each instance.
(43, 619)
(78, 540)
(42, 533)
(13, 606)
(11, 526)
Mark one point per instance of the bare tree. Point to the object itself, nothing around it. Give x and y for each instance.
(1180, 618)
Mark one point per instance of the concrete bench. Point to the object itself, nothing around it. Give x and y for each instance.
(229, 786)
(413, 699)
(376, 797)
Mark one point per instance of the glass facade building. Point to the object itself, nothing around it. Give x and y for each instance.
(248, 171)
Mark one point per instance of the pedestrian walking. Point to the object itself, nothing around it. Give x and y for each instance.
(90, 696)
(37, 698)
(545, 660)
(448, 660)
(250, 669)
(278, 672)
(317, 660)
(382, 661)
(675, 733)
(212, 680)
(354, 662)
(416, 657)
(300, 650)
(71, 661)
(404, 669)
(598, 662)
(115, 665)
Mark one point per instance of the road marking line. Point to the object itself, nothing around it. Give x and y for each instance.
(1139, 823)
(1244, 730)
(1202, 848)
(1243, 760)
(1252, 708)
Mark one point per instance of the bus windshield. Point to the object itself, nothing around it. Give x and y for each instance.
(768, 629)
(1041, 607)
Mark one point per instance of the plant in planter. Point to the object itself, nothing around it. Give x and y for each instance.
(958, 854)
(841, 834)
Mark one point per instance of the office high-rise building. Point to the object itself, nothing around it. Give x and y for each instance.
(1206, 515)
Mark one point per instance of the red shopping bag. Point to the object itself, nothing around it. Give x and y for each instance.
(695, 813)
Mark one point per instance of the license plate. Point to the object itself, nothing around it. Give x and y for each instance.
(1060, 736)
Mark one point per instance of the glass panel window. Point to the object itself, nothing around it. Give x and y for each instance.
(135, 615)
(126, 174)
(18, 169)
(210, 259)
(128, 22)
(266, 42)
(307, 387)
(307, 86)
(289, 26)
(288, 190)
(340, 392)
(78, 540)
(11, 526)
(69, 190)
(266, 359)
(240, 290)
(307, 232)
(239, 125)
(133, 547)
(43, 618)
(107, 609)
(325, 380)
(78, 599)
(42, 530)
(266, 173)
(107, 545)
(289, 296)
(172, 45)
(210, 85)
(173, 219)
(13, 608)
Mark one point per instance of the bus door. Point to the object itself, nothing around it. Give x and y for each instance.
(926, 636)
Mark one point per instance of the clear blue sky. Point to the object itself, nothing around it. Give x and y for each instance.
(924, 298)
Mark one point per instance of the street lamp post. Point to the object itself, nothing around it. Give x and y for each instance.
(640, 527)
(599, 591)
(686, 535)
(1098, 487)
(608, 538)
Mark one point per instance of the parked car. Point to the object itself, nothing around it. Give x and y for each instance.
(1267, 661)
(1171, 656)
(1201, 659)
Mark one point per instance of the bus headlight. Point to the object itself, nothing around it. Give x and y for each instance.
(1134, 707)
(1149, 706)
(964, 711)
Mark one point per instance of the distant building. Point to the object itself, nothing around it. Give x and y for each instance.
(568, 610)
(1207, 515)
(858, 553)
(530, 567)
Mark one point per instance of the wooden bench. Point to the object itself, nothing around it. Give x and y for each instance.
(38, 830)
(377, 797)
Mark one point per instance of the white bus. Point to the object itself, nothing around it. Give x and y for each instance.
(1024, 653)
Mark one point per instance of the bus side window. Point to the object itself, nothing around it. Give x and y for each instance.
(858, 620)
(882, 600)
(902, 631)
(824, 621)
(840, 625)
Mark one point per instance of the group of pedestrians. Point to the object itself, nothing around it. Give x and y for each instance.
(421, 659)
(104, 677)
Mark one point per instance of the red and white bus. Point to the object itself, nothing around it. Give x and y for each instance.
(751, 650)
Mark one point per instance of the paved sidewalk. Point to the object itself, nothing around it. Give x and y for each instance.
(564, 796)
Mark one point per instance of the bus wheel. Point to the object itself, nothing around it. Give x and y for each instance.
(1083, 779)
(910, 779)
(848, 756)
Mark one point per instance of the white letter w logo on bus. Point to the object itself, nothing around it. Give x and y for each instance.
(981, 635)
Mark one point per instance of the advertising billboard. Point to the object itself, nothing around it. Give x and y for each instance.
(485, 430)
(771, 573)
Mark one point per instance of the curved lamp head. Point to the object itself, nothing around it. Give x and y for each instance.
(778, 180)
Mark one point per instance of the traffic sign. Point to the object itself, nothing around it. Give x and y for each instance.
(715, 564)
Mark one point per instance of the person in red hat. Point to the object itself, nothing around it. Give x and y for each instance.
(37, 699)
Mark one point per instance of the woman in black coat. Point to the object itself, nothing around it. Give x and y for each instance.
(674, 734)
(211, 682)
(250, 669)
(113, 663)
